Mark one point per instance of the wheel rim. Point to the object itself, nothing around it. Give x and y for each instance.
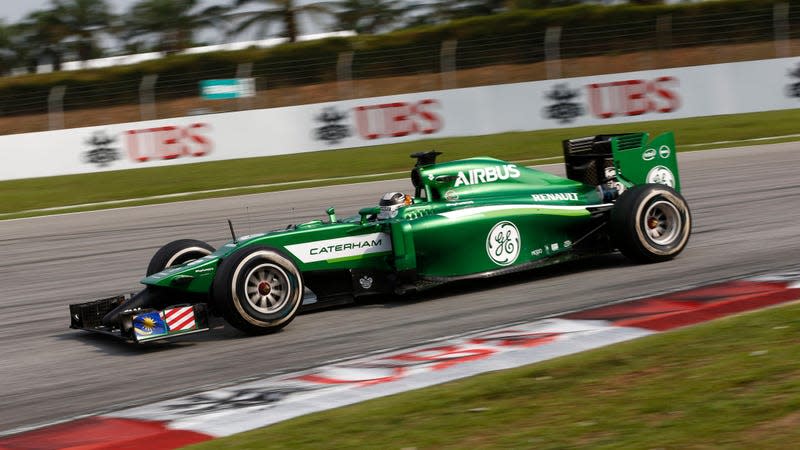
(662, 223)
(267, 288)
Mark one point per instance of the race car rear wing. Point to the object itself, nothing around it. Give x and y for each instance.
(634, 159)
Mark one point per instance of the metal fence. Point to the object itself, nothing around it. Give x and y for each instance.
(556, 52)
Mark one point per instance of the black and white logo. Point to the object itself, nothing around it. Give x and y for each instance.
(103, 153)
(332, 131)
(793, 90)
(564, 110)
(503, 243)
(661, 175)
(365, 282)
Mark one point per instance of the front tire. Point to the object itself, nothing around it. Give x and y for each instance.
(176, 253)
(258, 290)
(651, 223)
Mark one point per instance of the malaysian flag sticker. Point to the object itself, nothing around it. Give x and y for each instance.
(148, 325)
(180, 318)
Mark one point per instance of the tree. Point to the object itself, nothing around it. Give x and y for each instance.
(67, 25)
(8, 53)
(170, 24)
(82, 20)
(440, 11)
(369, 16)
(284, 12)
(541, 4)
(44, 33)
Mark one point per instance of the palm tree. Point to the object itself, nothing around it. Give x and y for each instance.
(44, 33)
(284, 12)
(172, 24)
(369, 16)
(82, 20)
(440, 11)
(47, 34)
(8, 53)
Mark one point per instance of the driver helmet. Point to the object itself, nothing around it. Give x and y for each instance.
(391, 202)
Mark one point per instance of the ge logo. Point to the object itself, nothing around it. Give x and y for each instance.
(661, 175)
(503, 243)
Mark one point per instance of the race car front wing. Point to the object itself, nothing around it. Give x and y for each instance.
(140, 324)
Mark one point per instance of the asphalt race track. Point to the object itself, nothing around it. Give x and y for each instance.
(745, 203)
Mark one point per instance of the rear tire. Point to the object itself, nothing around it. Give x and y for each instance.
(258, 290)
(651, 223)
(176, 253)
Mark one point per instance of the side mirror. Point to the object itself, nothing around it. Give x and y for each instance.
(331, 214)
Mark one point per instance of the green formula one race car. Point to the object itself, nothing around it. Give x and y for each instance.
(469, 218)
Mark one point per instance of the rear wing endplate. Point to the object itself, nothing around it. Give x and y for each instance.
(635, 160)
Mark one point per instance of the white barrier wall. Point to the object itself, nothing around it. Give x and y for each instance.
(604, 99)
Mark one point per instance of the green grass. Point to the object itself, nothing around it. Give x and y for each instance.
(733, 383)
(19, 198)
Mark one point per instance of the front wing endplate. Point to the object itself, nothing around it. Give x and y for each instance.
(141, 324)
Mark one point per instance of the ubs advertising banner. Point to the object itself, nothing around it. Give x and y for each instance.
(604, 99)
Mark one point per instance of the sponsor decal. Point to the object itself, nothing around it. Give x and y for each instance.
(228, 88)
(451, 195)
(661, 175)
(567, 244)
(633, 97)
(649, 154)
(563, 110)
(365, 282)
(353, 246)
(503, 243)
(332, 131)
(793, 90)
(555, 196)
(537, 252)
(149, 324)
(398, 119)
(664, 151)
(554, 247)
(487, 175)
(168, 142)
(615, 98)
(103, 153)
(180, 319)
(237, 398)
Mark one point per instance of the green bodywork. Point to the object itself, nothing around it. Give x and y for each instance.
(472, 217)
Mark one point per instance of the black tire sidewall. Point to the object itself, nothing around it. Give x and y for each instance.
(176, 253)
(628, 223)
(230, 298)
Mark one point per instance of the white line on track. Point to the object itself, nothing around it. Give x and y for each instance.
(236, 188)
(320, 180)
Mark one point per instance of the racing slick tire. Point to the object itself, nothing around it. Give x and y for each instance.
(176, 253)
(258, 289)
(650, 223)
